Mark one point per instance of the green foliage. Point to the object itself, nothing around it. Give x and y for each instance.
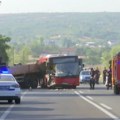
(26, 27)
(24, 55)
(4, 47)
(37, 46)
(115, 50)
(72, 29)
(19, 56)
(105, 58)
(108, 54)
(92, 56)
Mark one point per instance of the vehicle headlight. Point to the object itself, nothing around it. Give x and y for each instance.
(81, 77)
(15, 85)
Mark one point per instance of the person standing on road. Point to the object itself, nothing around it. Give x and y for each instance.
(92, 80)
(104, 75)
(97, 75)
(109, 82)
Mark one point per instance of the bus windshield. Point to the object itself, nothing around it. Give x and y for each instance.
(66, 69)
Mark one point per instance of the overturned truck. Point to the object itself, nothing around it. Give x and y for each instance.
(27, 75)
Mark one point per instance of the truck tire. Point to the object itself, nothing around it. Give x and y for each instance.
(34, 84)
(116, 89)
(17, 101)
(74, 87)
(24, 85)
(9, 101)
(44, 83)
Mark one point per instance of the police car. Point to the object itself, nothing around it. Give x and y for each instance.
(85, 76)
(9, 87)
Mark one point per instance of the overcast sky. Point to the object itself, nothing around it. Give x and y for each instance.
(20, 6)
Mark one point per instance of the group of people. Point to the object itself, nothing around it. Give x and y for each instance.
(95, 75)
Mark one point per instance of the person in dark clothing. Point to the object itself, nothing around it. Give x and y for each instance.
(109, 75)
(97, 75)
(104, 75)
(92, 80)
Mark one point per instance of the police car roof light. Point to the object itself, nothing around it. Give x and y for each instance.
(4, 69)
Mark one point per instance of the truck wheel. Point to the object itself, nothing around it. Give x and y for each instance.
(34, 84)
(74, 87)
(43, 86)
(116, 90)
(17, 101)
(10, 101)
(23, 85)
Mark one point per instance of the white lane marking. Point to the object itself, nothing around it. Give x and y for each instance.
(105, 106)
(81, 92)
(5, 114)
(89, 97)
(97, 106)
(24, 94)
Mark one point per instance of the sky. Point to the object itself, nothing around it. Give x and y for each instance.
(26, 6)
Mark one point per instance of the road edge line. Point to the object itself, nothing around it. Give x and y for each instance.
(5, 114)
(97, 106)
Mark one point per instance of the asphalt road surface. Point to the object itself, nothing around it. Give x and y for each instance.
(64, 104)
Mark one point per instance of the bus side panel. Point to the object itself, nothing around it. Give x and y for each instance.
(68, 80)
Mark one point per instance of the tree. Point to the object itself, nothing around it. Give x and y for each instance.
(37, 46)
(115, 50)
(3, 48)
(19, 56)
(106, 57)
(24, 54)
(108, 54)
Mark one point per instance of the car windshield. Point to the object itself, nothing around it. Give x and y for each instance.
(64, 69)
(6, 78)
(85, 73)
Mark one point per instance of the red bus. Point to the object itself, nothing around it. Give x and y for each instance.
(60, 71)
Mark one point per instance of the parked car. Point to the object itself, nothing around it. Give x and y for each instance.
(84, 76)
(9, 88)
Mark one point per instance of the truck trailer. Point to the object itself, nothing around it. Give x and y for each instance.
(27, 75)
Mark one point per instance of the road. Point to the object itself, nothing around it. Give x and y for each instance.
(64, 104)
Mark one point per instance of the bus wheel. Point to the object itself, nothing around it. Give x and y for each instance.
(74, 87)
(116, 90)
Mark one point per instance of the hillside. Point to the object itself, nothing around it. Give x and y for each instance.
(100, 27)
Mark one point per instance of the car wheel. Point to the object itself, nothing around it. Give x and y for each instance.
(116, 89)
(17, 101)
(9, 101)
